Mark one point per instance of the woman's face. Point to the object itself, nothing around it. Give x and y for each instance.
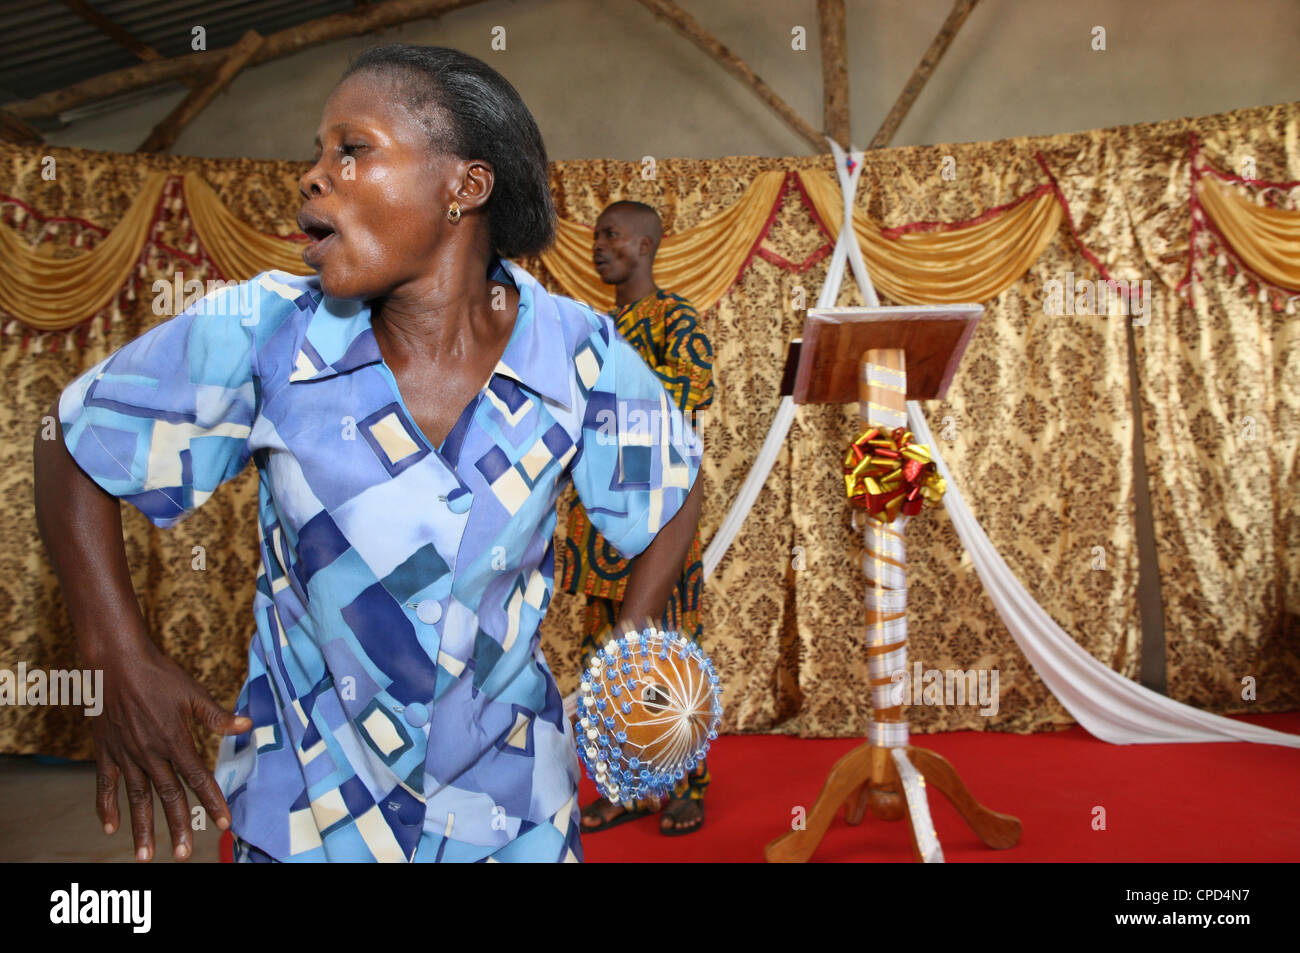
(375, 202)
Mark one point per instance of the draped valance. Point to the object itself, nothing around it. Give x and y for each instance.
(966, 261)
(1267, 239)
(922, 262)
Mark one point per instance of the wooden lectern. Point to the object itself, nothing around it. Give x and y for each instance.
(883, 357)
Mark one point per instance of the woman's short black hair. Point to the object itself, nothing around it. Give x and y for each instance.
(476, 114)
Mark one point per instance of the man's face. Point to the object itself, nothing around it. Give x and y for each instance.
(375, 201)
(617, 246)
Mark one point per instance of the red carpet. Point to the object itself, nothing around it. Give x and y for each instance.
(1179, 803)
(1208, 802)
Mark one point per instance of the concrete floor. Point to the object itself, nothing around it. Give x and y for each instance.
(47, 813)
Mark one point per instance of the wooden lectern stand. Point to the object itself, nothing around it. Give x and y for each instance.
(883, 357)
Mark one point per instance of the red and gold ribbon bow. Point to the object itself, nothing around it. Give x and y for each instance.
(885, 473)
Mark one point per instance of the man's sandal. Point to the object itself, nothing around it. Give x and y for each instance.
(594, 810)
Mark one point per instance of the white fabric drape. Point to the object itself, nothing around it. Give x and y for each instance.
(846, 250)
(1107, 705)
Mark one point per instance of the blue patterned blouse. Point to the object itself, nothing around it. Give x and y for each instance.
(401, 704)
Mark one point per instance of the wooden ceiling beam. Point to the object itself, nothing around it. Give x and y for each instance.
(920, 76)
(690, 28)
(284, 42)
(165, 133)
(835, 70)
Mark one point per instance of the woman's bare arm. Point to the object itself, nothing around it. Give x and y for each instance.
(81, 526)
(143, 733)
(656, 570)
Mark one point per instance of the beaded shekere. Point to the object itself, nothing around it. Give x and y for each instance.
(648, 706)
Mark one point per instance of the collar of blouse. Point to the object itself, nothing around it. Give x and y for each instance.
(339, 339)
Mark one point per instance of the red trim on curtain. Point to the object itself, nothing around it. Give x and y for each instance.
(787, 265)
(1069, 220)
(53, 218)
(812, 209)
(1242, 180)
(900, 230)
(762, 232)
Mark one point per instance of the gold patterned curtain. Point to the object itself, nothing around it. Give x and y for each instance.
(1220, 370)
(1037, 426)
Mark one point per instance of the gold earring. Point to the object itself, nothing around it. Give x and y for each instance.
(453, 213)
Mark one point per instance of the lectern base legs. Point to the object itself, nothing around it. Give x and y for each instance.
(851, 780)
(998, 831)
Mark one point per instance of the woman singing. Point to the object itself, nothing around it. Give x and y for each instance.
(413, 410)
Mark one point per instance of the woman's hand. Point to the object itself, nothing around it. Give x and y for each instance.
(143, 736)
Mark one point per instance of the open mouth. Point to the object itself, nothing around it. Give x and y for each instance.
(321, 234)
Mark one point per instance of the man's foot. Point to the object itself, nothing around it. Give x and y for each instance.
(683, 815)
(599, 813)
(603, 814)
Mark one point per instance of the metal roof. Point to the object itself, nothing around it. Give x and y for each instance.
(45, 45)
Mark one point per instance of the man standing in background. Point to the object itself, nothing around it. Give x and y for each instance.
(663, 327)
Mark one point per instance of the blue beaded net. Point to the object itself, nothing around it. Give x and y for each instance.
(648, 707)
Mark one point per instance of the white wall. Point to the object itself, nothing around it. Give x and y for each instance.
(605, 79)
